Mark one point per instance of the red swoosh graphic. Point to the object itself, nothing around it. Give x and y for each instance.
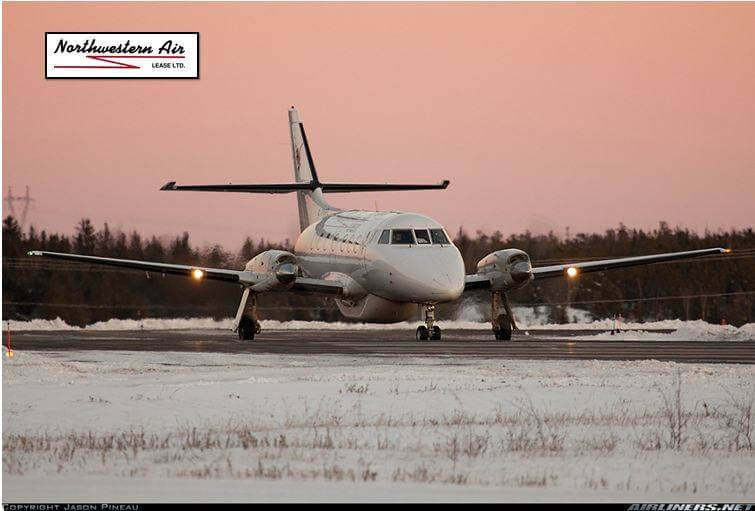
(119, 65)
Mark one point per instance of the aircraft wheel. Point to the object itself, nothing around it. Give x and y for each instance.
(422, 333)
(436, 334)
(503, 333)
(246, 329)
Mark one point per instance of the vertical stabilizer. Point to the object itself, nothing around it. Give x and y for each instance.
(312, 205)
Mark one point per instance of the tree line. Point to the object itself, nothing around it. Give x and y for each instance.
(715, 289)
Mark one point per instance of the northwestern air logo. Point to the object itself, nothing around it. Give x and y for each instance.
(121, 54)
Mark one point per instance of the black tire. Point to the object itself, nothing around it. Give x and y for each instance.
(436, 334)
(246, 329)
(503, 332)
(422, 333)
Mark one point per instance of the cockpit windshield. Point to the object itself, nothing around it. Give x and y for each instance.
(413, 236)
(439, 237)
(422, 237)
(402, 237)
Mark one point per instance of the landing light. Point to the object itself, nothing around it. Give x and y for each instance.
(197, 274)
(727, 251)
(571, 272)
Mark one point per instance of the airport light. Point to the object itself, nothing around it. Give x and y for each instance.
(571, 272)
(197, 274)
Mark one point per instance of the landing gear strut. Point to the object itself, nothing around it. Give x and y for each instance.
(502, 319)
(247, 324)
(429, 330)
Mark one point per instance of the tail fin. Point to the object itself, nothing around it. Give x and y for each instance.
(312, 205)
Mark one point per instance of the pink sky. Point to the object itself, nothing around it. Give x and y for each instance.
(542, 115)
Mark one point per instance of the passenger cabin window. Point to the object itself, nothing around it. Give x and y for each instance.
(439, 237)
(402, 237)
(422, 237)
(385, 237)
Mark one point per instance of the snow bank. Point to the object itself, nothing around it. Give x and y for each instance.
(686, 331)
(38, 324)
(469, 319)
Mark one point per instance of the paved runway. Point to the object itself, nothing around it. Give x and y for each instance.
(540, 344)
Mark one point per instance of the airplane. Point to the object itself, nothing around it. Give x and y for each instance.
(377, 265)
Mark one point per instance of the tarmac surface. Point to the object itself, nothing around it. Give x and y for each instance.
(539, 344)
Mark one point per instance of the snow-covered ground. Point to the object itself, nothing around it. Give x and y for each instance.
(201, 426)
(684, 330)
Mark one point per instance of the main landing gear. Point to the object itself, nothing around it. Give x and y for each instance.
(248, 328)
(502, 319)
(429, 330)
(247, 324)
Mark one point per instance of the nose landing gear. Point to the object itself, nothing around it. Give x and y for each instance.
(503, 320)
(429, 330)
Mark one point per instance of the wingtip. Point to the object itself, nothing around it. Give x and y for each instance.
(34, 253)
(445, 183)
(170, 185)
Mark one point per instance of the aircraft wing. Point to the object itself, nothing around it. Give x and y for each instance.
(483, 281)
(476, 281)
(559, 270)
(247, 278)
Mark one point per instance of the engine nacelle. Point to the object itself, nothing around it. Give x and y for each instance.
(273, 270)
(507, 269)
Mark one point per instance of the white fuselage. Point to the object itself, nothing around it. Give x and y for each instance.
(388, 278)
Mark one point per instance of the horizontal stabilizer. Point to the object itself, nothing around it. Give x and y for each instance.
(346, 187)
(268, 188)
(311, 186)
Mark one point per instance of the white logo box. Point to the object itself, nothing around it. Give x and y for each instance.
(121, 54)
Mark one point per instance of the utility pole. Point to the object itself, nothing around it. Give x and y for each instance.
(11, 201)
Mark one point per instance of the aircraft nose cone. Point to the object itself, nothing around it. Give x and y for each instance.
(442, 279)
(421, 275)
(447, 284)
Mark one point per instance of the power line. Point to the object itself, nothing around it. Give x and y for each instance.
(206, 307)
(150, 306)
(631, 300)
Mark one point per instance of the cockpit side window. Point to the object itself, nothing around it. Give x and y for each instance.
(422, 237)
(402, 237)
(385, 237)
(439, 237)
